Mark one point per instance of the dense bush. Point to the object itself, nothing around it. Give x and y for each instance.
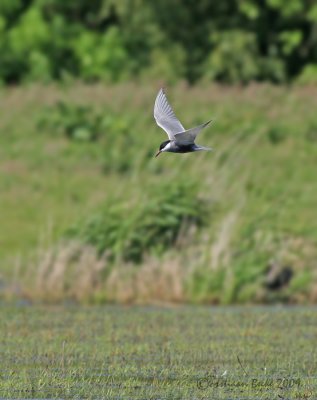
(74, 121)
(229, 41)
(83, 123)
(129, 231)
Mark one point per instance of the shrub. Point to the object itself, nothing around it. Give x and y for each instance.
(277, 134)
(84, 124)
(74, 121)
(152, 225)
(234, 57)
(308, 75)
(101, 56)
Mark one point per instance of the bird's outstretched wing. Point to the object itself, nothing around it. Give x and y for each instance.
(189, 136)
(165, 117)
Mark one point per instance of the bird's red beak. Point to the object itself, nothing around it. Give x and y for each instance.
(158, 153)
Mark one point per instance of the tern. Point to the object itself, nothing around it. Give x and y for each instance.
(179, 139)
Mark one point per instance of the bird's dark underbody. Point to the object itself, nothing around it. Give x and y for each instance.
(185, 148)
(177, 148)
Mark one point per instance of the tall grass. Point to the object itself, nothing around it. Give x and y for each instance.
(196, 227)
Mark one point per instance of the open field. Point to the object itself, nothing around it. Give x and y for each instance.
(203, 226)
(183, 353)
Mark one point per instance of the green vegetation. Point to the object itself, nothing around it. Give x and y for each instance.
(88, 210)
(151, 353)
(111, 41)
(92, 223)
(127, 232)
(74, 121)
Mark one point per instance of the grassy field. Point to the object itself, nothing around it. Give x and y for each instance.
(252, 200)
(183, 353)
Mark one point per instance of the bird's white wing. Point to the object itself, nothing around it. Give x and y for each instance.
(189, 136)
(165, 117)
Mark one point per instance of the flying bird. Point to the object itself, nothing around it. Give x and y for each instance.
(179, 139)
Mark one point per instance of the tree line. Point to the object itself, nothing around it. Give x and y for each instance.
(230, 41)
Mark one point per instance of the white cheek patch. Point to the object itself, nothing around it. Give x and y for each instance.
(167, 147)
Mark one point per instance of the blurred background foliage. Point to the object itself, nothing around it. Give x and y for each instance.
(229, 41)
(88, 213)
(101, 219)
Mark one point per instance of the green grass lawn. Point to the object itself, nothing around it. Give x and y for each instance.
(183, 353)
(259, 184)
